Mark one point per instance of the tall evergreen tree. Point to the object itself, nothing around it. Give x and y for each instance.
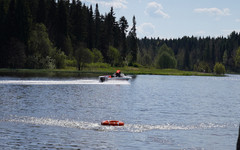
(84, 24)
(76, 22)
(2, 21)
(11, 21)
(97, 22)
(91, 34)
(109, 24)
(186, 60)
(123, 24)
(41, 12)
(23, 21)
(63, 40)
(103, 42)
(133, 46)
(51, 22)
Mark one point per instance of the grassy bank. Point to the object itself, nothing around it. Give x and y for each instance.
(103, 71)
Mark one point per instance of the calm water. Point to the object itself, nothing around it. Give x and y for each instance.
(159, 112)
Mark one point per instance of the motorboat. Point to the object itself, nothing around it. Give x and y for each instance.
(115, 76)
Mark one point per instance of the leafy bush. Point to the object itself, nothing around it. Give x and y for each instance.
(38, 62)
(32, 62)
(136, 65)
(164, 60)
(146, 60)
(60, 59)
(83, 56)
(219, 69)
(237, 58)
(97, 56)
(71, 62)
(113, 56)
(202, 67)
(47, 63)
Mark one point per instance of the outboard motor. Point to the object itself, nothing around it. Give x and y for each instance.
(102, 79)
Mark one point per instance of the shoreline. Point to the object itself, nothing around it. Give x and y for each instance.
(98, 71)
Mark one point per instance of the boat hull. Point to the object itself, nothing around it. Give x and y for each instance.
(106, 78)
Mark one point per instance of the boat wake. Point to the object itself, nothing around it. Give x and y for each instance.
(126, 128)
(59, 82)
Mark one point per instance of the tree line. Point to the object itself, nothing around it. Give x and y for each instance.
(55, 34)
(194, 53)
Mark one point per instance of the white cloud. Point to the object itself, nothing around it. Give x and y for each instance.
(146, 29)
(213, 11)
(109, 3)
(156, 10)
(237, 20)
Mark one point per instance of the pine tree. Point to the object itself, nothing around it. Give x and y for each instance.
(2, 22)
(23, 21)
(186, 62)
(91, 34)
(97, 22)
(109, 24)
(11, 21)
(123, 24)
(84, 24)
(133, 46)
(51, 22)
(41, 12)
(62, 39)
(76, 22)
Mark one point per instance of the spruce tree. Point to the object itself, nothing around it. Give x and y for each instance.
(123, 24)
(41, 12)
(97, 23)
(133, 46)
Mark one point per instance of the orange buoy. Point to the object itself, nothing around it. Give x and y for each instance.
(112, 123)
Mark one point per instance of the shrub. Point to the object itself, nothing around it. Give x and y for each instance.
(71, 62)
(146, 60)
(219, 69)
(60, 60)
(202, 67)
(136, 65)
(97, 56)
(164, 60)
(113, 56)
(83, 56)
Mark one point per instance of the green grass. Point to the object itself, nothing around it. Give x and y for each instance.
(106, 70)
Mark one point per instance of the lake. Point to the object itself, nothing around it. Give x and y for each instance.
(159, 112)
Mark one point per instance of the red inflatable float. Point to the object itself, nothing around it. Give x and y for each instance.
(112, 123)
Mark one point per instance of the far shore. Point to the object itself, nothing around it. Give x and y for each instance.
(99, 71)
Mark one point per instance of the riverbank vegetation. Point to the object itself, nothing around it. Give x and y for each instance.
(50, 34)
(96, 71)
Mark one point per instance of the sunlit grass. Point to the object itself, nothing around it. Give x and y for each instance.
(105, 69)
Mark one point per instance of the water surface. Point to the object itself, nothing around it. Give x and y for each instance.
(159, 112)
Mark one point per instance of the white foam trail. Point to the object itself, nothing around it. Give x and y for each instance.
(59, 82)
(126, 128)
(56, 122)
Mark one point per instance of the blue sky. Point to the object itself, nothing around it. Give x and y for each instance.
(176, 18)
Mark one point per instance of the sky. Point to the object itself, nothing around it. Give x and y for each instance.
(168, 19)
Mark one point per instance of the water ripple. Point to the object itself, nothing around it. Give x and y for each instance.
(126, 128)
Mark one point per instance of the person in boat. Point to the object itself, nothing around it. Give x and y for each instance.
(118, 73)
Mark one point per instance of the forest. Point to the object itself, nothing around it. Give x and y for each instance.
(48, 34)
